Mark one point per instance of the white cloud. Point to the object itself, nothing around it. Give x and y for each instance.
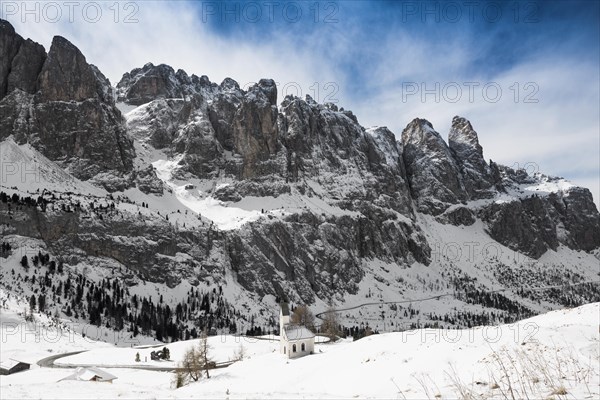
(173, 33)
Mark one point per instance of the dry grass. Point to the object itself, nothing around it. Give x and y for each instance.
(459, 386)
(540, 372)
(532, 372)
(561, 391)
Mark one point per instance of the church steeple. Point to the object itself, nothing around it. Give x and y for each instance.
(284, 316)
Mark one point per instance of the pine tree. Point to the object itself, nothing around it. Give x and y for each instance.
(41, 302)
(32, 303)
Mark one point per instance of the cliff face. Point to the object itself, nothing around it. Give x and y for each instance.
(477, 176)
(65, 108)
(535, 224)
(433, 173)
(275, 150)
(347, 197)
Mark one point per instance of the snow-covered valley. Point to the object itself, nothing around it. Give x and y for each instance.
(554, 355)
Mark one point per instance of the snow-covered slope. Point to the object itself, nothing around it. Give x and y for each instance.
(26, 169)
(554, 355)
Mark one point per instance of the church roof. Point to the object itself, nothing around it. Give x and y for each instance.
(297, 332)
(285, 309)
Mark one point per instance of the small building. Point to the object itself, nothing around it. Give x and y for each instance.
(294, 340)
(90, 374)
(12, 366)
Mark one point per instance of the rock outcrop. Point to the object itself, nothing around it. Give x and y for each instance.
(522, 225)
(64, 107)
(433, 174)
(81, 235)
(223, 130)
(10, 42)
(476, 175)
(151, 82)
(66, 76)
(26, 66)
(535, 223)
(579, 216)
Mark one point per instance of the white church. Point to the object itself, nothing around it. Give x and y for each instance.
(294, 340)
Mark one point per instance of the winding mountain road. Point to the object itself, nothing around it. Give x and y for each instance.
(48, 362)
(437, 297)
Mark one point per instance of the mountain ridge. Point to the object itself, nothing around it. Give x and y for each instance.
(209, 184)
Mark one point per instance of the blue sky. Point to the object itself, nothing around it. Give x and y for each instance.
(500, 33)
(388, 61)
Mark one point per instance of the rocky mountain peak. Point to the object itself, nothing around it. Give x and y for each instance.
(64, 107)
(309, 100)
(153, 82)
(463, 139)
(61, 42)
(145, 84)
(26, 66)
(21, 61)
(66, 75)
(432, 172)
(6, 26)
(464, 143)
(10, 42)
(459, 122)
(183, 77)
(417, 128)
(201, 81)
(382, 132)
(229, 85)
(389, 148)
(269, 88)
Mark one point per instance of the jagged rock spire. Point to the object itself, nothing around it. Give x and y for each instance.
(433, 174)
(467, 151)
(66, 75)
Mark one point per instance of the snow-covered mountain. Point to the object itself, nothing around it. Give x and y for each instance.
(217, 202)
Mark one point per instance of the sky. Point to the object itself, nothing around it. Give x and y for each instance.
(525, 73)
